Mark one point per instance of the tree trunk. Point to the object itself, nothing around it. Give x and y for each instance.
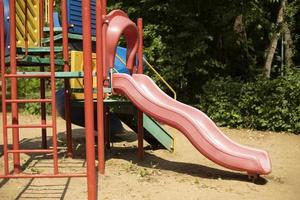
(273, 44)
(288, 47)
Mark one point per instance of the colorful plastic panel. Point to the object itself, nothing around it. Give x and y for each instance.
(33, 23)
(75, 16)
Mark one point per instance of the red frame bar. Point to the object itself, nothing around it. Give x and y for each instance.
(43, 109)
(14, 84)
(27, 76)
(140, 71)
(3, 81)
(42, 81)
(42, 19)
(26, 27)
(52, 69)
(88, 103)
(140, 49)
(100, 109)
(105, 66)
(29, 101)
(104, 29)
(31, 151)
(24, 175)
(104, 5)
(67, 99)
(29, 126)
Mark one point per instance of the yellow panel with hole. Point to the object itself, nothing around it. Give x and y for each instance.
(33, 22)
(77, 66)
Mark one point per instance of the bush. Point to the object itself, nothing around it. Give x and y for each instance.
(263, 104)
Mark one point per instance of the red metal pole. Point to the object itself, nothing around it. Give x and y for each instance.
(43, 110)
(52, 69)
(26, 28)
(88, 102)
(99, 63)
(104, 29)
(42, 81)
(104, 5)
(140, 71)
(66, 81)
(14, 84)
(3, 81)
(140, 49)
(42, 19)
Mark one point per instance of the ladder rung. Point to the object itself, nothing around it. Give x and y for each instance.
(28, 75)
(31, 151)
(29, 101)
(30, 126)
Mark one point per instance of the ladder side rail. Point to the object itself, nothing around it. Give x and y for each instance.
(3, 88)
(67, 91)
(44, 144)
(52, 69)
(14, 84)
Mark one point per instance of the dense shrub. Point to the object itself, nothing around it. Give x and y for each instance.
(263, 104)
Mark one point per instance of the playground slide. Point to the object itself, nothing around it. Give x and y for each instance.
(200, 130)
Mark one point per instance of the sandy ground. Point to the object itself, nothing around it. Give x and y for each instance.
(184, 174)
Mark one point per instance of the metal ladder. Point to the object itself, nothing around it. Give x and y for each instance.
(15, 126)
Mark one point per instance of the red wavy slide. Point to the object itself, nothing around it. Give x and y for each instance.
(199, 129)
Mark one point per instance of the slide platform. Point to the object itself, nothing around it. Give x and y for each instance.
(199, 129)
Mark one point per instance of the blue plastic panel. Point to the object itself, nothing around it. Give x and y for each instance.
(56, 20)
(6, 26)
(75, 16)
(119, 66)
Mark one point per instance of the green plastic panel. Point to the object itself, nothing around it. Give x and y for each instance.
(38, 50)
(127, 113)
(58, 74)
(158, 132)
(35, 61)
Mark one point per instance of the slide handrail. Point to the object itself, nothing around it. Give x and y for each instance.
(156, 72)
(161, 78)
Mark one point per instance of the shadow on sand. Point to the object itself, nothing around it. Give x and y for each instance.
(195, 170)
(58, 191)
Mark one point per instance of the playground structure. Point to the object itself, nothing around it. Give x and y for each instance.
(95, 30)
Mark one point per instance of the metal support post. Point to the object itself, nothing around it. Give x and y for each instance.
(140, 71)
(88, 103)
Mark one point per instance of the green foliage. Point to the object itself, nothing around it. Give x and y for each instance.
(191, 42)
(262, 104)
(220, 99)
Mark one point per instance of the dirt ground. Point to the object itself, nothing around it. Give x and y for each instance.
(184, 174)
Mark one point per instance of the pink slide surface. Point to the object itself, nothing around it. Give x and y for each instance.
(199, 129)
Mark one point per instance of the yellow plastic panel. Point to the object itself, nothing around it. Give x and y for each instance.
(33, 23)
(77, 66)
(46, 11)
